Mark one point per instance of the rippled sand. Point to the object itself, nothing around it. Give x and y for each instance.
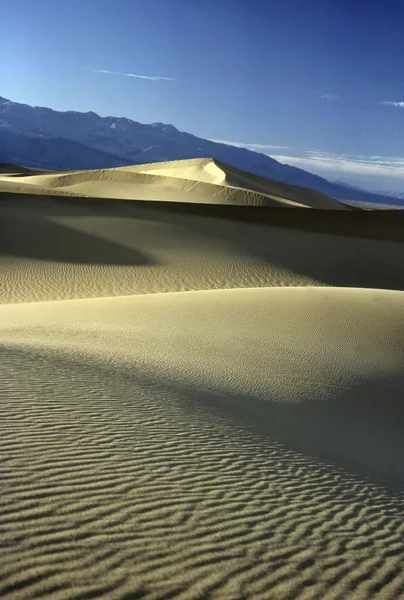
(214, 443)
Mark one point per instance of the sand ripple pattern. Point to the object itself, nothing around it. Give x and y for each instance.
(114, 488)
(123, 480)
(224, 445)
(54, 250)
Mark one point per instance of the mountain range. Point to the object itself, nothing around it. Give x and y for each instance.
(395, 195)
(43, 138)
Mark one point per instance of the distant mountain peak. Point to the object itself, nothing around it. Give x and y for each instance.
(167, 128)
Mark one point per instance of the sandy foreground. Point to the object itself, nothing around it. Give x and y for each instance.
(196, 404)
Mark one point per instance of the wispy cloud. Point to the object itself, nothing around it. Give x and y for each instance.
(329, 97)
(257, 147)
(396, 104)
(328, 164)
(151, 78)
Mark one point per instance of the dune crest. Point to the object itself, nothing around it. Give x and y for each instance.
(197, 180)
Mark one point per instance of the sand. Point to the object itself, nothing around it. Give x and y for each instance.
(198, 180)
(54, 248)
(164, 437)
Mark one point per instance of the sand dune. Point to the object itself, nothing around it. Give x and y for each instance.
(199, 180)
(220, 444)
(199, 400)
(9, 169)
(53, 248)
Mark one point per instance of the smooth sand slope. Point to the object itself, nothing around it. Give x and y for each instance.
(215, 444)
(198, 400)
(198, 180)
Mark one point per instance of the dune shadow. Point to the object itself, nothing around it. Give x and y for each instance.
(45, 239)
(338, 261)
(244, 496)
(359, 432)
(299, 246)
(352, 249)
(370, 224)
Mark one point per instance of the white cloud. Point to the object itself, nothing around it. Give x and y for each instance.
(133, 75)
(257, 147)
(329, 96)
(362, 170)
(375, 165)
(397, 104)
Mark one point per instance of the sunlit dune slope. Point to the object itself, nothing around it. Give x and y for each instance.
(198, 180)
(215, 444)
(219, 173)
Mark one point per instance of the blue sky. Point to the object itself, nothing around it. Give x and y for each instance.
(316, 83)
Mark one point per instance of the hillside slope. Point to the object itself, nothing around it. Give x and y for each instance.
(53, 153)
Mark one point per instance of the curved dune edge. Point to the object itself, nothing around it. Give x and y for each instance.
(220, 444)
(196, 180)
(291, 345)
(291, 327)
